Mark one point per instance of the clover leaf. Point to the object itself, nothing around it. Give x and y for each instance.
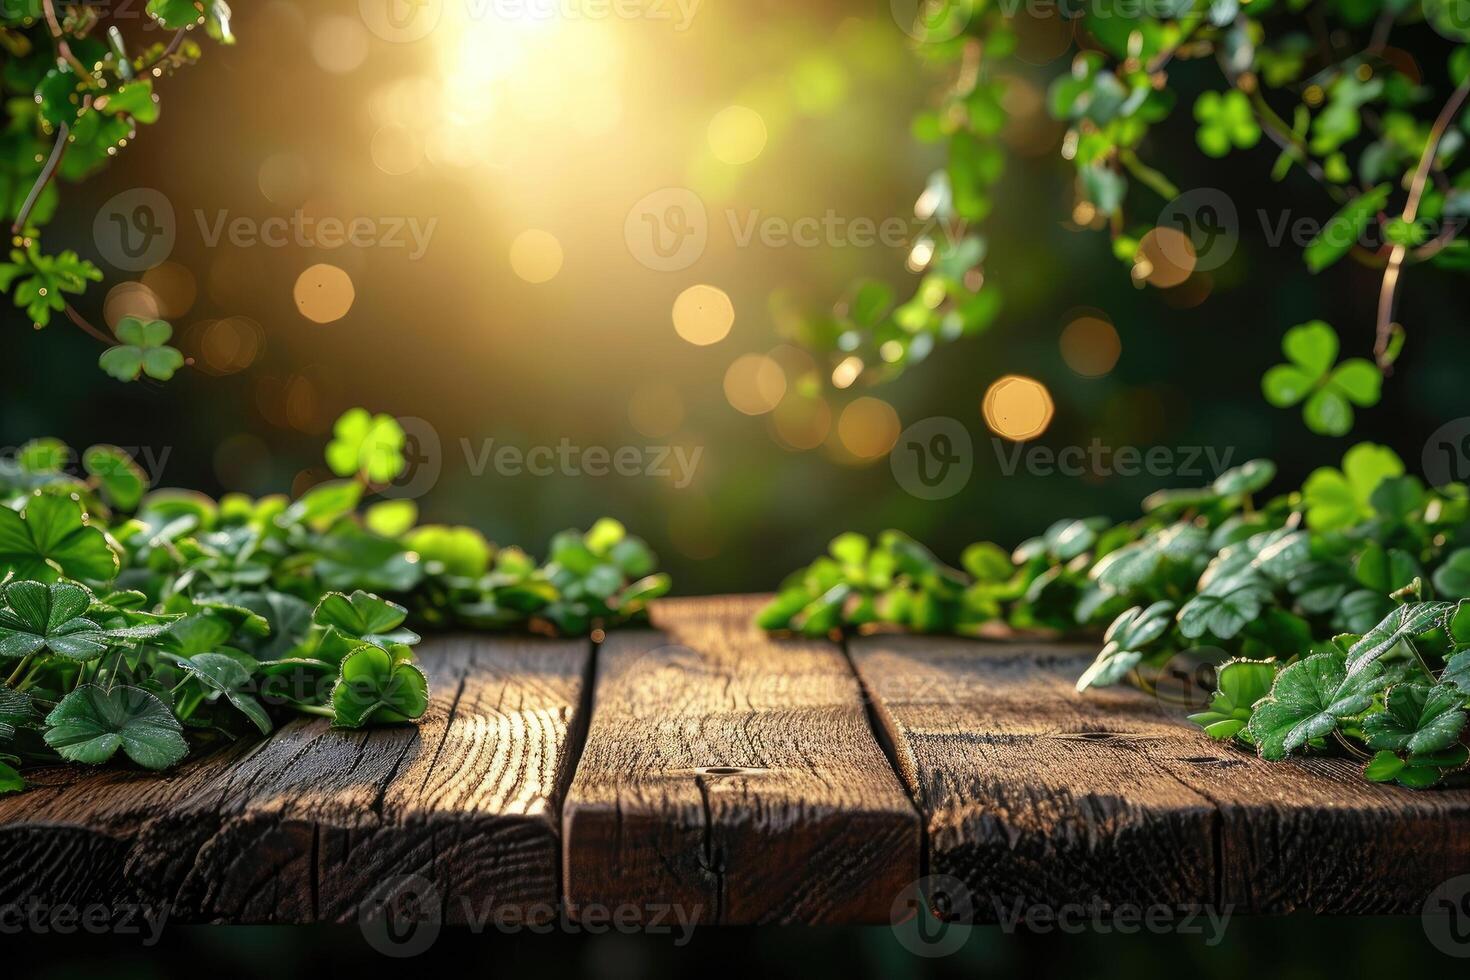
(1125, 642)
(1418, 719)
(92, 723)
(229, 676)
(120, 479)
(367, 445)
(1336, 499)
(366, 617)
(49, 617)
(1416, 771)
(1239, 685)
(1308, 701)
(376, 685)
(1225, 607)
(1329, 389)
(49, 539)
(1135, 565)
(144, 349)
(1225, 121)
(1404, 623)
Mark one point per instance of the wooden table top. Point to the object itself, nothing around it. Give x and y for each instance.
(705, 770)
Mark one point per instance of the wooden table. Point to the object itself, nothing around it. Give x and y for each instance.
(705, 767)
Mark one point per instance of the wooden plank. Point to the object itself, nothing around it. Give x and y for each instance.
(1035, 794)
(309, 824)
(735, 777)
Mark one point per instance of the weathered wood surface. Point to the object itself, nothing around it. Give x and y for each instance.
(743, 779)
(1035, 794)
(312, 823)
(735, 776)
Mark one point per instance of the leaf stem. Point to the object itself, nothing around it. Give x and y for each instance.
(42, 179)
(1352, 749)
(1388, 292)
(25, 664)
(1148, 176)
(320, 710)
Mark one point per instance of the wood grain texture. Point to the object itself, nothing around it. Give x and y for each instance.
(1033, 793)
(735, 776)
(308, 824)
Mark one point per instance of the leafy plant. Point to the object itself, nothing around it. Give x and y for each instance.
(1376, 137)
(146, 622)
(1317, 607)
(73, 97)
(1329, 389)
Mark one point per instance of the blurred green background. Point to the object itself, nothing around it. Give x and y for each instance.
(492, 129)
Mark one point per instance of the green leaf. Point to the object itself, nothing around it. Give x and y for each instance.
(227, 676)
(1419, 719)
(1337, 499)
(1247, 478)
(1453, 577)
(92, 723)
(460, 551)
(143, 350)
(1239, 685)
(367, 445)
(176, 14)
(366, 617)
(1224, 613)
(50, 539)
(1338, 236)
(323, 504)
(49, 617)
(391, 518)
(1308, 701)
(1312, 347)
(121, 480)
(375, 686)
(1125, 643)
(16, 709)
(1404, 623)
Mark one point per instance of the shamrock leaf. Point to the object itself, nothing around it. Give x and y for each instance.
(367, 445)
(225, 675)
(143, 349)
(120, 479)
(92, 723)
(1404, 623)
(1416, 771)
(50, 539)
(375, 685)
(49, 617)
(1307, 702)
(1225, 607)
(1418, 719)
(1329, 391)
(1225, 121)
(1239, 685)
(457, 551)
(1138, 564)
(1125, 642)
(365, 617)
(1337, 499)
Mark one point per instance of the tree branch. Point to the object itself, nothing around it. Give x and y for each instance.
(81, 321)
(1388, 292)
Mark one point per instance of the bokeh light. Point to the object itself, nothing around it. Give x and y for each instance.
(536, 256)
(737, 135)
(174, 286)
(703, 315)
(130, 299)
(1090, 346)
(324, 293)
(339, 44)
(1018, 408)
(801, 422)
(868, 428)
(754, 384)
(1165, 258)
